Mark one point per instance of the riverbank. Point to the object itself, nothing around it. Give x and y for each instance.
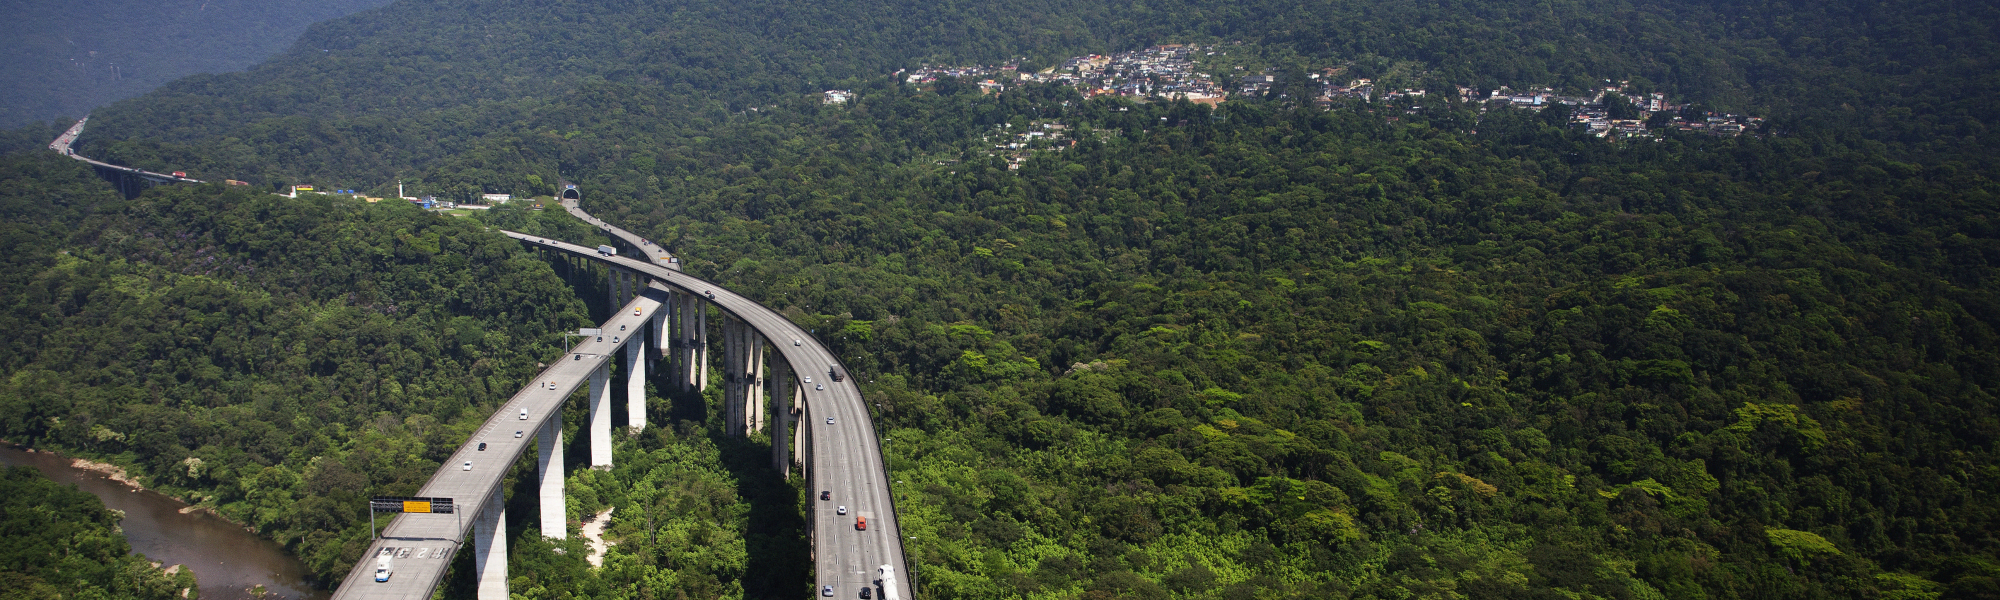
(227, 561)
(110, 471)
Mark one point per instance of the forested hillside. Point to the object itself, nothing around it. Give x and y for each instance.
(1273, 351)
(1262, 350)
(468, 94)
(278, 360)
(65, 58)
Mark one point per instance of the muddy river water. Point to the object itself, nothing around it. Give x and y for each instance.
(228, 562)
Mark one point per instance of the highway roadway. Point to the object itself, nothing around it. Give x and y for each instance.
(846, 453)
(63, 142)
(424, 543)
(654, 253)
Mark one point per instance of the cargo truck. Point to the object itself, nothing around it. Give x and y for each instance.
(888, 581)
(607, 250)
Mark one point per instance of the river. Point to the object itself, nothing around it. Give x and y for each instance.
(227, 561)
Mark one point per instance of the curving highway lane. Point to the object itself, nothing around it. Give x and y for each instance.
(846, 453)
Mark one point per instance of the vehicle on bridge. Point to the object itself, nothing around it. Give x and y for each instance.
(381, 569)
(836, 374)
(888, 581)
(861, 523)
(607, 250)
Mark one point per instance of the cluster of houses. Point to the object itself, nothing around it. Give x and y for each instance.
(1166, 71)
(1169, 71)
(1038, 135)
(1595, 112)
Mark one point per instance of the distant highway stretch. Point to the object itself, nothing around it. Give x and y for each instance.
(130, 180)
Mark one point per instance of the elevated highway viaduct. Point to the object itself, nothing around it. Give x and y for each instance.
(830, 429)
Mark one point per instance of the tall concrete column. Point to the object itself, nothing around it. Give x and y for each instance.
(600, 417)
(611, 292)
(660, 326)
(684, 360)
(804, 450)
(701, 344)
(635, 383)
(624, 288)
(489, 547)
(781, 417)
(732, 383)
(549, 464)
(753, 389)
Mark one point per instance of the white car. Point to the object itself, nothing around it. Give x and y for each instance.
(468, 465)
(840, 511)
(819, 387)
(809, 379)
(795, 342)
(829, 420)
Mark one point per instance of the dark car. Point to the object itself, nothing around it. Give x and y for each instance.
(867, 593)
(826, 495)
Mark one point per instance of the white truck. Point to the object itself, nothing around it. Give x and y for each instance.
(888, 581)
(382, 568)
(607, 250)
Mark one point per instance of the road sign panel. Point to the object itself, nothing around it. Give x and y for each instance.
(400, 504)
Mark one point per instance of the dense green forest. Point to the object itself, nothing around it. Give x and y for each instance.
(1276, 351)
(63, 543)
(467, 95)
(64, 59)
(1262, 350)
(278, 360)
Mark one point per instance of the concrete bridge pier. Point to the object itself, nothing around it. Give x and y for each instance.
(733, 418)
(692, 358)
(701, 345)
(549, 464)
(600, 417)
(660, 334)
(635, 382)
(611, 292)
(781, 416)
(489, 547)
(753, 378)
(743, 374)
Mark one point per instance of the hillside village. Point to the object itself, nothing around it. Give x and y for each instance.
(1173, 71)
